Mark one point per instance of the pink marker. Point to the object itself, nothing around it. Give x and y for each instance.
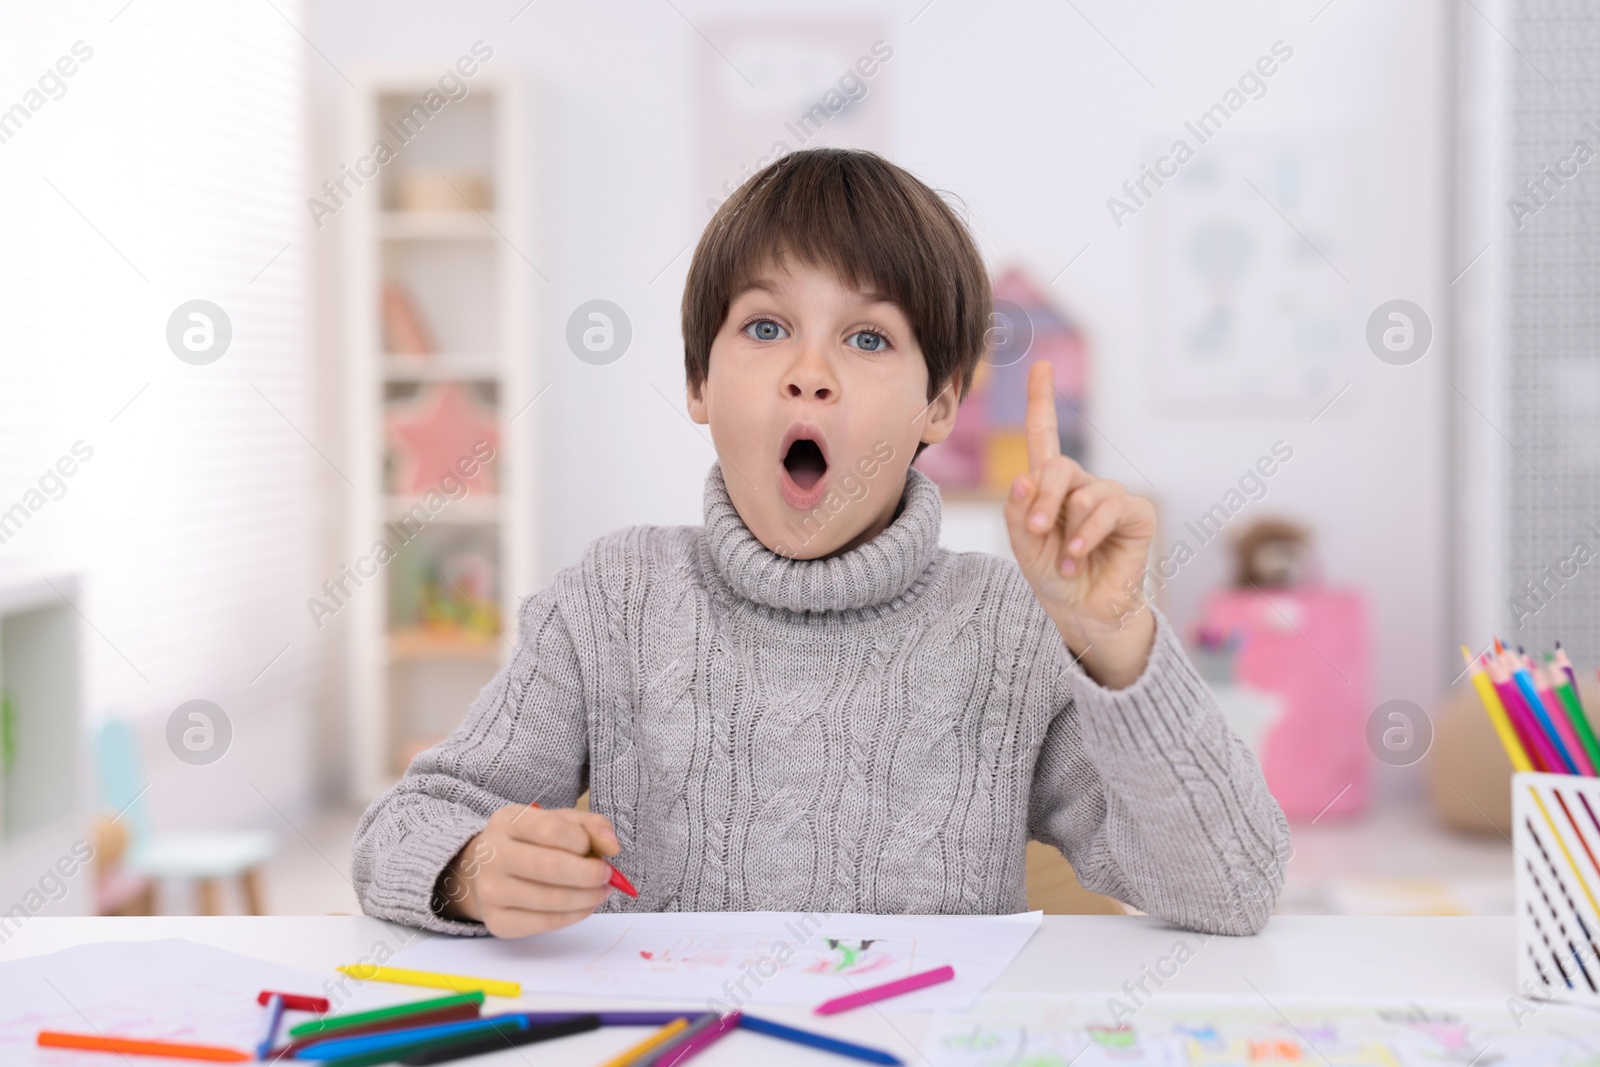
(896, 988)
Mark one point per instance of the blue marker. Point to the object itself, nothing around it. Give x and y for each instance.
(360, 1044)
(274, 1018)
(817, 1041)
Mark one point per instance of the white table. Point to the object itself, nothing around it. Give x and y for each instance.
(1452, 958)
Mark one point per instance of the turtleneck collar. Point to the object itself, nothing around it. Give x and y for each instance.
(872, 574)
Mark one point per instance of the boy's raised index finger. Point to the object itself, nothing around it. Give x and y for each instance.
(1043, 435)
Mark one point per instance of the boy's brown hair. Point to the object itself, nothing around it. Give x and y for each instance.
(870, 222)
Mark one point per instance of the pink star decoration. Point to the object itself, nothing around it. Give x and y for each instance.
(431, 435)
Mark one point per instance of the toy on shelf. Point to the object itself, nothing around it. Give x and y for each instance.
(1308, 646)
(438, 436)
(988, 447)
(405, 331)
(460, 597)
(444, 596)
(1273, 554)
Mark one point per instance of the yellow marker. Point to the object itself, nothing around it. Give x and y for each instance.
(655, 1040)
(1497, 715)
(368, 972)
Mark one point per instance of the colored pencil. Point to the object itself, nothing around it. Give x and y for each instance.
(1530, 696)
(1543, 756)
(370, 972)
(898, 987)
(693, 1045)
(483, 1044)
(274, 1020)
(333, 1048)
(817, 1041)
(1565, 740)
(294, 1001)
(357, 1018)
(1558, 715)
(630, 1056)
(656, 1056)
(1497, 715)
(1565, 664)
(456, 1013)
(1580, 722)
(618, 879)
(132, 1046)
(1540, 754)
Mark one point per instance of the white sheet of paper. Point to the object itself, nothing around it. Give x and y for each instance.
(171, 990)
(743, 959)
(1187, 1030)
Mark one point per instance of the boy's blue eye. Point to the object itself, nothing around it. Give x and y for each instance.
(765, 330)
(867, 341)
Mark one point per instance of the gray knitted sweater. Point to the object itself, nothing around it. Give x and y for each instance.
(882, 732)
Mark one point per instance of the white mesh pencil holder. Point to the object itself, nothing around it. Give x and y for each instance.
(1556, 849)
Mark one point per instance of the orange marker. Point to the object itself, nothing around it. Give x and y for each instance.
(618, 879)
(655, 1040)
(135, 1047)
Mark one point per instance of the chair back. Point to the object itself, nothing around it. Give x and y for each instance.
(119, 777)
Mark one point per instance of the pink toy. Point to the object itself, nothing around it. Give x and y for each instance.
(1311, 647)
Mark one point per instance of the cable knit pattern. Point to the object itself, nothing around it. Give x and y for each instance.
(879, 732)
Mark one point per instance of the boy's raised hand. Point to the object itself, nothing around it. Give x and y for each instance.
(530, 870)
(1082, 543)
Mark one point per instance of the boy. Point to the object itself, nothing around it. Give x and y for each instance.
(806, 704)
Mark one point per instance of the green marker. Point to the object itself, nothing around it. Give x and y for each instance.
(334, 1023)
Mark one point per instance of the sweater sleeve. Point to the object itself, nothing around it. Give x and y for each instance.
(1155, 801)
(525, 739)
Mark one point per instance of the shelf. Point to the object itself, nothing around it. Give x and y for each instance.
(436, 225)
(472, 508)
(444, 367)
(419, 644)
(413, 673)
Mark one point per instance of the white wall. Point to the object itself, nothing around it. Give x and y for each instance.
(168, 170)
(1030, 115)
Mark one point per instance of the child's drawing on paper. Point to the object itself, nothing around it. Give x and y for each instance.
(1179, 1031)
(852, 956)
(673, 953)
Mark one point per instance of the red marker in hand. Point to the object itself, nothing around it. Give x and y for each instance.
(618, 879)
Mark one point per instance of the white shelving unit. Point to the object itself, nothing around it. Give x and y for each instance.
(465, 272)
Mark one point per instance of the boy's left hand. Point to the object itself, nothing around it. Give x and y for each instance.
(1083, 544)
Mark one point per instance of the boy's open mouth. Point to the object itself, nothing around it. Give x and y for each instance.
(805, 465)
